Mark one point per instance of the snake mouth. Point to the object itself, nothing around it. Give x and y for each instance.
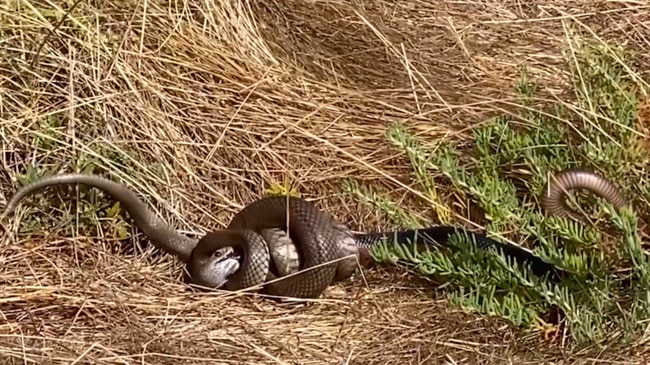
(236, 253)
(226, 253)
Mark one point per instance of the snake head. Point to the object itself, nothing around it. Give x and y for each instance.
(219, 270)
(224, 264)
(224, 253)
(213, 270)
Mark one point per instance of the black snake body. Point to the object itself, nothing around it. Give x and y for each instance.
(553, 201)
(237, 257)
(439, 237)
(358, 245)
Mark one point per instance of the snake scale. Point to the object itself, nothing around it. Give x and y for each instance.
(248, 252)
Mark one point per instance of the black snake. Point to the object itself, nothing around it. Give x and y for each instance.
(238, 257)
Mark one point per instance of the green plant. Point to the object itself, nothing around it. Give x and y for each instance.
(505, 174)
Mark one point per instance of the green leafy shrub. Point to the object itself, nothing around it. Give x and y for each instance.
(505, 174)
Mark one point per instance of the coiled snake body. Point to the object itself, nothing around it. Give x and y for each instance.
(238, 257)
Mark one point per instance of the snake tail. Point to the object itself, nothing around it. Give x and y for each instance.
(554, 198)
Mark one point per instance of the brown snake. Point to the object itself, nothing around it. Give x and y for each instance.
(214, 258)
(239, 257)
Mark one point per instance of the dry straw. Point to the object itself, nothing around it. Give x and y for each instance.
(202, 105)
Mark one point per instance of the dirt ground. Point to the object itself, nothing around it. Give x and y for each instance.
(200, 106)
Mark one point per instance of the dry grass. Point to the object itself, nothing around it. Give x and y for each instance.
(202, 105)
